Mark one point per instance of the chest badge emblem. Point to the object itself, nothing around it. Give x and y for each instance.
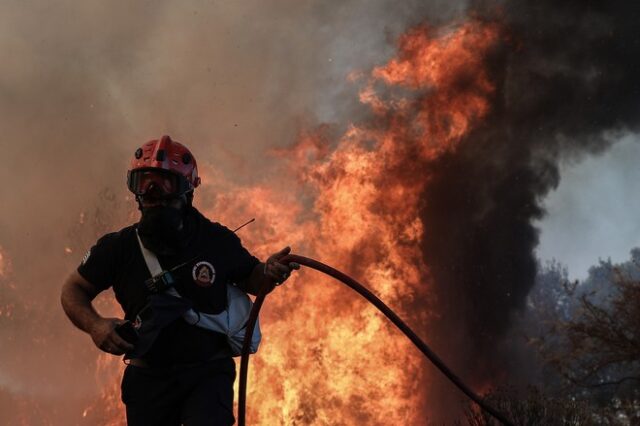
(203, 274)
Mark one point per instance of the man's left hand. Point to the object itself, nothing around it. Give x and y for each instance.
(277, 271)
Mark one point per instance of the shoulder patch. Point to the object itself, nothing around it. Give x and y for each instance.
(86, 256)
(203, 274)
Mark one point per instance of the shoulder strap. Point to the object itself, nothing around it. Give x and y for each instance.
(153, 264)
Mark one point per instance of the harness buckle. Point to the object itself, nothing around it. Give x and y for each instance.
(159, 283)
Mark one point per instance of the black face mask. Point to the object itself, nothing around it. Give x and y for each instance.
(162, 229)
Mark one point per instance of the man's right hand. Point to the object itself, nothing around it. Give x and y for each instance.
(104, 335)
(76, 296)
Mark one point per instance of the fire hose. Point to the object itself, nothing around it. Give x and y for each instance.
(364, 292)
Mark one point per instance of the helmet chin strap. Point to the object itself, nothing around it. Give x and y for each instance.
(188, 198)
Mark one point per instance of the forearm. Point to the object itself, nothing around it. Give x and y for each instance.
(254, 282)
(76, 297)
(76, 302)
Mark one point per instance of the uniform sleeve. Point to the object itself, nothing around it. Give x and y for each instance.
(241, 262)
(99, 265)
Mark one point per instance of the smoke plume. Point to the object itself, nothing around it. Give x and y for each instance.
(566, 81)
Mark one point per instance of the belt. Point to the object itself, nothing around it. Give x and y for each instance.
(142, 363)
(138, 362)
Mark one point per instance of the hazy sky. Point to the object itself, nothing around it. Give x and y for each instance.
(595, 210)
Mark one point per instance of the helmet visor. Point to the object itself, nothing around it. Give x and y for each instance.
(156, 183)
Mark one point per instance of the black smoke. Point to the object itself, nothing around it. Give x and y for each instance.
(567, 86)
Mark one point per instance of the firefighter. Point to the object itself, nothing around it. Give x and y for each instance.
(181, 373)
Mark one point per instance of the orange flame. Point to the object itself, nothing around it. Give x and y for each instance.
(4, 263)
(327, 357)
(6, 305)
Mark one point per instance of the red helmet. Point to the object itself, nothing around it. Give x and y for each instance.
(163, 167)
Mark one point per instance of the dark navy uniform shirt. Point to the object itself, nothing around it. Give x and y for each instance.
(214, 256)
